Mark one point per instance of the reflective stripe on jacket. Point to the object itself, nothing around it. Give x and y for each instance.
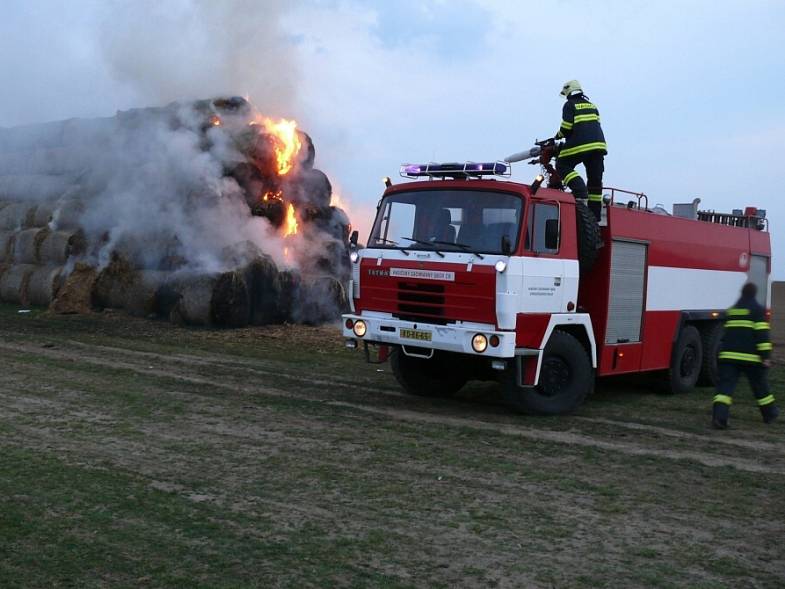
(581, 126)
(746, 338)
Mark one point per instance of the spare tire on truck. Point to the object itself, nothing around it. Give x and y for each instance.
(566, 379)
(589, 238)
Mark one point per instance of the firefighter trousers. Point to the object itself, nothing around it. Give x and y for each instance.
(728, 378)
(594, 162)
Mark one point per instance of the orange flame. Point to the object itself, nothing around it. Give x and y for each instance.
(287, 143)
(290, 227)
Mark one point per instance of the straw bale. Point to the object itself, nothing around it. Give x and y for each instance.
(143, 297)
(220, 299)
(27, 244)
(265, 290)
(193, 303)
(68, 214)
(13, 215)
(7, 239)
(75, 295)
(113, 283)
(34, 186)
(43, 285)
(14, 282)
(230, 302)
(43, 214)
(57, 246)
(320, 299)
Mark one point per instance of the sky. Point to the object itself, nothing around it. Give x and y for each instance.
(689, 92)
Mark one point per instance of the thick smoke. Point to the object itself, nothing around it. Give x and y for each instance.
(187, 49)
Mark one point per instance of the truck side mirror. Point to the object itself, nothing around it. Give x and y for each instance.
(552, 234)
(506, 246)
(354, 237)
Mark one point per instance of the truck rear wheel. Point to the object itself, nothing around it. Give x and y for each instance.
(434, 377)
(686, 361)
(566, 379)
(711, 338)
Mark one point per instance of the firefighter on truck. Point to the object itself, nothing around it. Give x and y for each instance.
(746, 347)
(585, 145)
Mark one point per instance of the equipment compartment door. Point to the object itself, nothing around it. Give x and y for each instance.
(627, 288)
(759, 276)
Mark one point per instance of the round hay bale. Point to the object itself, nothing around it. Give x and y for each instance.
(194, 295)
(144, 294)
(219, 299)
(26, 245)
(13, 215)
(230, 303)
(264, 286)
(113, 283)
(68, 214)
(320, 299)
(7, 239)
(57, 246)
(311, 187)
(75, 295)
(307, 153)
(14, 282)
(37, 186)
(43, 285)
(43, 214)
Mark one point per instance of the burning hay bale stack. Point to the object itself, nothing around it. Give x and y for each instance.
(206, 213)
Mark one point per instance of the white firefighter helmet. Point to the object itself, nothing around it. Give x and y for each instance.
(571, 87)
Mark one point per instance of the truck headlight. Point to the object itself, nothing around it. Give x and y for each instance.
(479, 343)
(360, 329)
(501, 266)
(354, 256)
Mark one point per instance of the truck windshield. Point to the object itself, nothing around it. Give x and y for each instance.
(471, 220)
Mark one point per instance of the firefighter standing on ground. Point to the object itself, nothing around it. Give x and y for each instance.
(745, 349)
(585, 145)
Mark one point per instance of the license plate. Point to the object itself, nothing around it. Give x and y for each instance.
(423, 336)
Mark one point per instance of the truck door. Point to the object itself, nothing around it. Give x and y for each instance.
(543, 269)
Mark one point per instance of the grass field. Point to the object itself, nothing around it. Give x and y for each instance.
(139, 454)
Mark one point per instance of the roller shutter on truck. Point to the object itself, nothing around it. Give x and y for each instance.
(625, 306)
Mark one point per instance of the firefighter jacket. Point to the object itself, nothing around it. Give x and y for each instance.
(581, 126)
(746, 339)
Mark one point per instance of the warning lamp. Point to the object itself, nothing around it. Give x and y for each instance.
(479, 343)
(387, 181)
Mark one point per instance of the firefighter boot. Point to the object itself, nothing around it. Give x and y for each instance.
(720, 414)
(769, 412)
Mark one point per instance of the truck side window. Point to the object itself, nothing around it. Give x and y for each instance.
(535, 231)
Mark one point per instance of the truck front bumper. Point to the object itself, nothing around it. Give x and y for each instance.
(450, 338)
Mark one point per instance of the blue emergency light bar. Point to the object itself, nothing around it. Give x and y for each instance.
(455, 170)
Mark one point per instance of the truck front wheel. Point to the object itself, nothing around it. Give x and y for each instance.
(433, 377)
(566, 379)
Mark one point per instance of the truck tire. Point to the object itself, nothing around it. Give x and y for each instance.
(711, 339)
(686, 361)
(589, 239)
(435, 377)
(566, 379)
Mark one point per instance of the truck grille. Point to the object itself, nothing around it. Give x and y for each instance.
(421, 302)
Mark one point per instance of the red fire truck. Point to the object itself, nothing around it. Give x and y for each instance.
(468, 275)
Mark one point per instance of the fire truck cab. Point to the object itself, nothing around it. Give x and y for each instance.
(468, 276)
